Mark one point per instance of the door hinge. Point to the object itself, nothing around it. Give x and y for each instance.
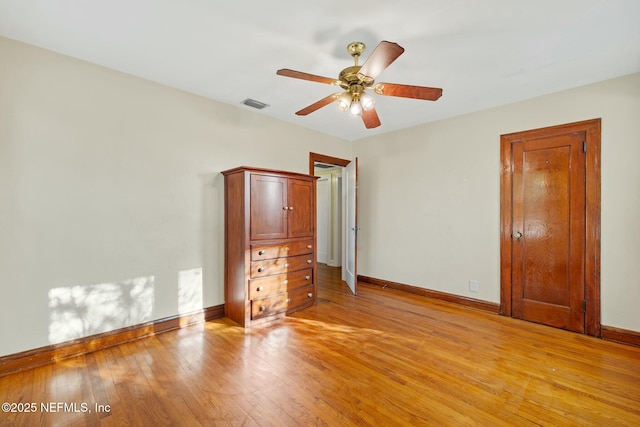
(584, 305)
(584, 146)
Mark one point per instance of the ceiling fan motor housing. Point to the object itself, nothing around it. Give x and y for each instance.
(349, 77)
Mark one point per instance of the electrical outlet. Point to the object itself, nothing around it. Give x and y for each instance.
(473, 285)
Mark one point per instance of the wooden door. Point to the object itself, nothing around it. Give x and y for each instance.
(269, 207)
(548, 252)
(301, 204)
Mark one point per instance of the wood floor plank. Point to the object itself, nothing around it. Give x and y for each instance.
(383, 357)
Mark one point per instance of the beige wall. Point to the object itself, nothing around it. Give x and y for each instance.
(430, 196)
(111, 194)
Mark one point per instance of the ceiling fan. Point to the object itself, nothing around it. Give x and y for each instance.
(356, 80)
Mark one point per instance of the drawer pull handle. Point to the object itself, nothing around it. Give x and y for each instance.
(288, 299)
(285, 281)
(309, 246)
(261, 269)
(309, 261)
(286, 264)
(263, 307)
(290, 208)
(286, 248)
(260, 288)
(262, 252)
(310, 294)
(307, 277)
(284, 208)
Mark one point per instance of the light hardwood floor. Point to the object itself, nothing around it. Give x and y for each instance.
(382, 358)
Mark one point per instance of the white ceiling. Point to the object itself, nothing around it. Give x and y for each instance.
(483, 53)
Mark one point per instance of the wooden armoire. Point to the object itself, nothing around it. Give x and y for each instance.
(270, 244)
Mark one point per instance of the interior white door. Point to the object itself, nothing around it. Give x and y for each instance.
(350, 190)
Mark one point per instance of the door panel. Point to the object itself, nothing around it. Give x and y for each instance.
(350, 184)
(548, 248)
(268, 202)
(301, 208)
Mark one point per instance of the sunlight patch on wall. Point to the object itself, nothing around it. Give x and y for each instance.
(80, 311)
(189, 290)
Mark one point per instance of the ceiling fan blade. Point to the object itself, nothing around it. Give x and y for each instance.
(381, 57)
(305, 76)
(317, 105)
(370, 118)
(407, 91)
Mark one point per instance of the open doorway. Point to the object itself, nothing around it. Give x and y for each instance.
(329, 214)
(336, 216)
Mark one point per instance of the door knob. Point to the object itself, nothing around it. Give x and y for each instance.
(518, 235)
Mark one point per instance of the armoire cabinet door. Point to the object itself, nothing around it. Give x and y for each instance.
(269, 207)
(301, 211)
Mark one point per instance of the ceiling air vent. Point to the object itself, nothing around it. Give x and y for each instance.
(255, 104)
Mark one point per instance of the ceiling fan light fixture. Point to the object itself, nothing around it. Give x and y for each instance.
(356, 108)
(344, 101)
(367, 101)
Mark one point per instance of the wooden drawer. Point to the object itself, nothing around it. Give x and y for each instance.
(271, 267)
(267, 306)
(260, 288)
(301, 297)
(259, 251)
